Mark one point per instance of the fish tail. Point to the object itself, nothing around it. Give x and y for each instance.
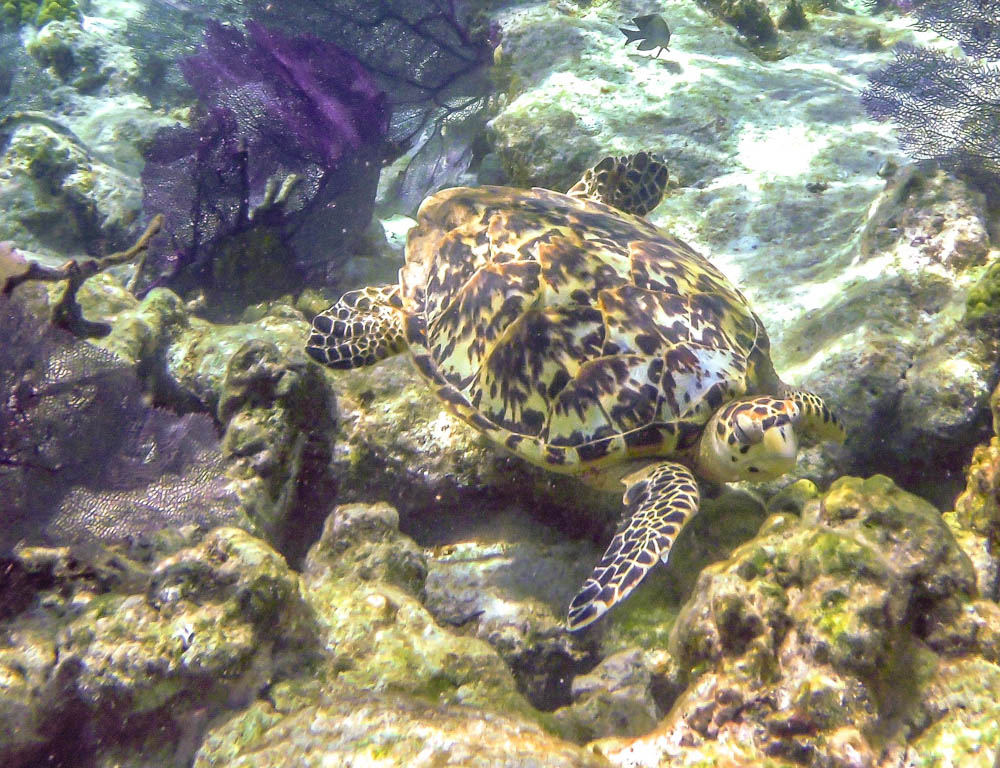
(631, 35)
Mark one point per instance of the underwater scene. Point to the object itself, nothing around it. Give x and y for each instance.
(500, 383)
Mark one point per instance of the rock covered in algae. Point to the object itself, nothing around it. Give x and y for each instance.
(275, 407)
(613, 699)
(107, 654)
(507, 578)
(56, 195)
(364, 579)
(397, 688)
(357, 728)
(976, 517)
(832, 640)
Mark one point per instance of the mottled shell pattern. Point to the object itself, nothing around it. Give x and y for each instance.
(569, 331)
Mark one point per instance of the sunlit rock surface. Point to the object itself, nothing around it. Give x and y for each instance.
(398, 688)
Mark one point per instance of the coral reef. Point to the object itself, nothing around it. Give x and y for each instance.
(57, 195)
(275, 412)
(118, 657)
(832, 640)
(944, 108)
(851, 635)
(750, 17)
(982, 307)
(67, 313)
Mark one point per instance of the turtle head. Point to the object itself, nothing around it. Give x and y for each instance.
(751, 439)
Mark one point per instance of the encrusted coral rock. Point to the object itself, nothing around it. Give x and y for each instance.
(390, 730)
(977, 514)
(750, 17)
(278, 424)
(928, 217)
(106, 650)
(613, 699)
(275, 407)
(56, 195)
(364, 590)
(508, 583)
(397, 688)
(816, 632)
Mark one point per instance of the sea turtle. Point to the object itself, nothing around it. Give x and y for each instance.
(574, 333)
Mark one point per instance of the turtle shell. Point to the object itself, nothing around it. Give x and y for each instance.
(569, 331)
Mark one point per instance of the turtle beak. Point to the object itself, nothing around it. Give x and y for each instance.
(781, 447)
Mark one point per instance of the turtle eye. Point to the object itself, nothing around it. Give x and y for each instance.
(744, 428)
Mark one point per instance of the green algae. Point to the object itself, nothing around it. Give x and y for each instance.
(982, 305)
(19, 13)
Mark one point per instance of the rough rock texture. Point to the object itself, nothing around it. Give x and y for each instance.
(364, 579)
(397, 689)
(208, 647)
(862, 284)
(613, 699)
(506, 577)
(976, 517)
(57, 197)
(72, 143)
(834, 640)
(358, 728)
(277, 413)
(106, 654)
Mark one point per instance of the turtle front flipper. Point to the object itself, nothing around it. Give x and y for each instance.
(816, 419)
(631, 183)
(365, 326)
(659, 500)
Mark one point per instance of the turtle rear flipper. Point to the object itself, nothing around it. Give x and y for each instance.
(659, 500)
(365, 326)
(631, 183)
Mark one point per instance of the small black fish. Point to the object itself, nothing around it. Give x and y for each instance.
(652, 32)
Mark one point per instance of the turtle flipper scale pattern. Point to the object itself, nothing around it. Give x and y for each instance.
(659, 500)
(816, 418)
(631, 183)
(363, 327)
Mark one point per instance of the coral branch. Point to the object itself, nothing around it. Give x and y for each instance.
(67, 313)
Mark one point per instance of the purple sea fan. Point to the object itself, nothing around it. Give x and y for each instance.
(302, 96)
(83, 457)
(285, 154)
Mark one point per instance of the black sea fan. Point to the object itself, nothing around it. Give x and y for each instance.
(946, 109)
(284, 153)
(82, 456)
